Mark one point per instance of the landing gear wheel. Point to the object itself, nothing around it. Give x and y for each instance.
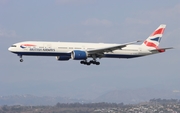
(88, 63)
(82, 62)
(92, 62)
(21, 60)
(97, 63)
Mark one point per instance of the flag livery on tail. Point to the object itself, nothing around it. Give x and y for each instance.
(154, 39)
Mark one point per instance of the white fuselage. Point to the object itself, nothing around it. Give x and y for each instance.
(40, 48)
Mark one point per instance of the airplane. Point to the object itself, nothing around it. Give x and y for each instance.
(64, 51)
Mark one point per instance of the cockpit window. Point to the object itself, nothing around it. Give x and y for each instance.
(13, 46)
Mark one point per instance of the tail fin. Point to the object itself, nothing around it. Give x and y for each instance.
(154, 39)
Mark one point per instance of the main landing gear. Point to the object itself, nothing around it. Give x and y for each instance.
(85, 62)
(21, 60)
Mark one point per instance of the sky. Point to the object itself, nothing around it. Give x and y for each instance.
(104, 21)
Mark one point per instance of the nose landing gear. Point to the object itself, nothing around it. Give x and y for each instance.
(21, 60)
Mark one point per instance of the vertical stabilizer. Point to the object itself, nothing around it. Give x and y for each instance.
(154, 39)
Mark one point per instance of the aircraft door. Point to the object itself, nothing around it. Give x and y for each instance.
(47, 46)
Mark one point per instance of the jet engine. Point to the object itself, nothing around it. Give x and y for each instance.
(79, 55)
(63, 58)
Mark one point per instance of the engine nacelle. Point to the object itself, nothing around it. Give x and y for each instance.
(79, 55)
(63, 58)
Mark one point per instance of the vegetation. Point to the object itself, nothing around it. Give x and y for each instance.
(153, 106)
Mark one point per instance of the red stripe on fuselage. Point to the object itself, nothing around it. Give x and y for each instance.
(28, 45)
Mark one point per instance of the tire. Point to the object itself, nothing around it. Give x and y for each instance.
(21, 60)
(88, 63)
(82, 62)
(97, 63)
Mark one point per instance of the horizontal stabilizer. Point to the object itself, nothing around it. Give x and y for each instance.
(161, 49)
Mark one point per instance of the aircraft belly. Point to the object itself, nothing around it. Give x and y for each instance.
(121, 56)
(43, 53)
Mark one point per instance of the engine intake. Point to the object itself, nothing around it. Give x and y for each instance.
(63, 58)
(79, 55)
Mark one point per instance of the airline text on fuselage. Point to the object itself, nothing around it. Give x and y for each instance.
(39, 49)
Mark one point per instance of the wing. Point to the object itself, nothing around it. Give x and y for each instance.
(109, 49)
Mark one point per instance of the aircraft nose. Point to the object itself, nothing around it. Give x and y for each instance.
(9, 48)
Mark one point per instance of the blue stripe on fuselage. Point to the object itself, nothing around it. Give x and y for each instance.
(42, 54)
(69, 54)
